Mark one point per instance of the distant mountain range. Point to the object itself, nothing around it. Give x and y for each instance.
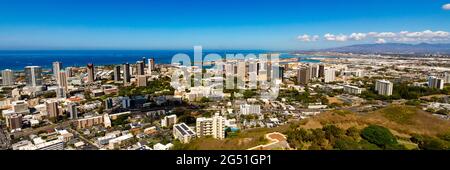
(393, 48)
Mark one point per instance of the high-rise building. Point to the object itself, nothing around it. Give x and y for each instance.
(62, 80)
(126, 73)
(151, 63)
(33, 76)
(140, 68)
(69, 72)
(314, 71)
(169, 121)
(384, 87)
(72, 109)
(57, 66)
(214, 127)
(435, 82)
(117, 73)
(330, 75)
(281, 73)
(52, 108)
(60, 92)
(108, 103)
(304, 75)
(7, 77)
(125, 102)
(141, 80)
(14, 121)
(90, 73)
(241, 71)
(321, 70)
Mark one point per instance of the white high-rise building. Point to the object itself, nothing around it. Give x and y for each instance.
(33, 76)
(435, 82)
(62, 80)
(169, 121)
(214, 127)
(7, 77)
(384, 87)
(57, 66)
(330, 75)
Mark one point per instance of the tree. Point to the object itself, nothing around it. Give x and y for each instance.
(379, 136)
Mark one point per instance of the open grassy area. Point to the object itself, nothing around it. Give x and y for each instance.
(400, 114)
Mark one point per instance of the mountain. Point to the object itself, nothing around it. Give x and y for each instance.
(393, 48)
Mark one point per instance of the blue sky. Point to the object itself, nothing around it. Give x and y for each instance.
(214, 24)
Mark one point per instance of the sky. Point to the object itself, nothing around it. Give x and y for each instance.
(218, 24)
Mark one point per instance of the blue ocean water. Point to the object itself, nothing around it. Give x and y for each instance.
(17, 60)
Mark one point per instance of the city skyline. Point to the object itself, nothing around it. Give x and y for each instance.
(281, 25)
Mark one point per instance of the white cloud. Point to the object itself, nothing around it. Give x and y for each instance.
(446, 7)
(380, 41)
(383, 37)
(358, 36)
(332, 37)
(308, 38)
(304, 38)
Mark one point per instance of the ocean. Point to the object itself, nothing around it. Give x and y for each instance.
(17, 60)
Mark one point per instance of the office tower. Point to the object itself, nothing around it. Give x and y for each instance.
(14, 121)
(384, 87)
(126, 102)
(62, 80)
(183, 133)
(314, 71)
(7, 77)
(281, 73)
(52, 108)
(116, 73)
(57, 66)
(150, 66)
(108, 103)
(91, 73)
(143, 60)
(321, 71)
(151, 62)
(126, 73)
(304, 75)
(169, 121)
(60, 92)
(141, 80)
(214, 127)
(33, 76)
(435, 82)
(330, 75)
(140, 68)
(242, 70)
(69, 72)
(72, 109)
